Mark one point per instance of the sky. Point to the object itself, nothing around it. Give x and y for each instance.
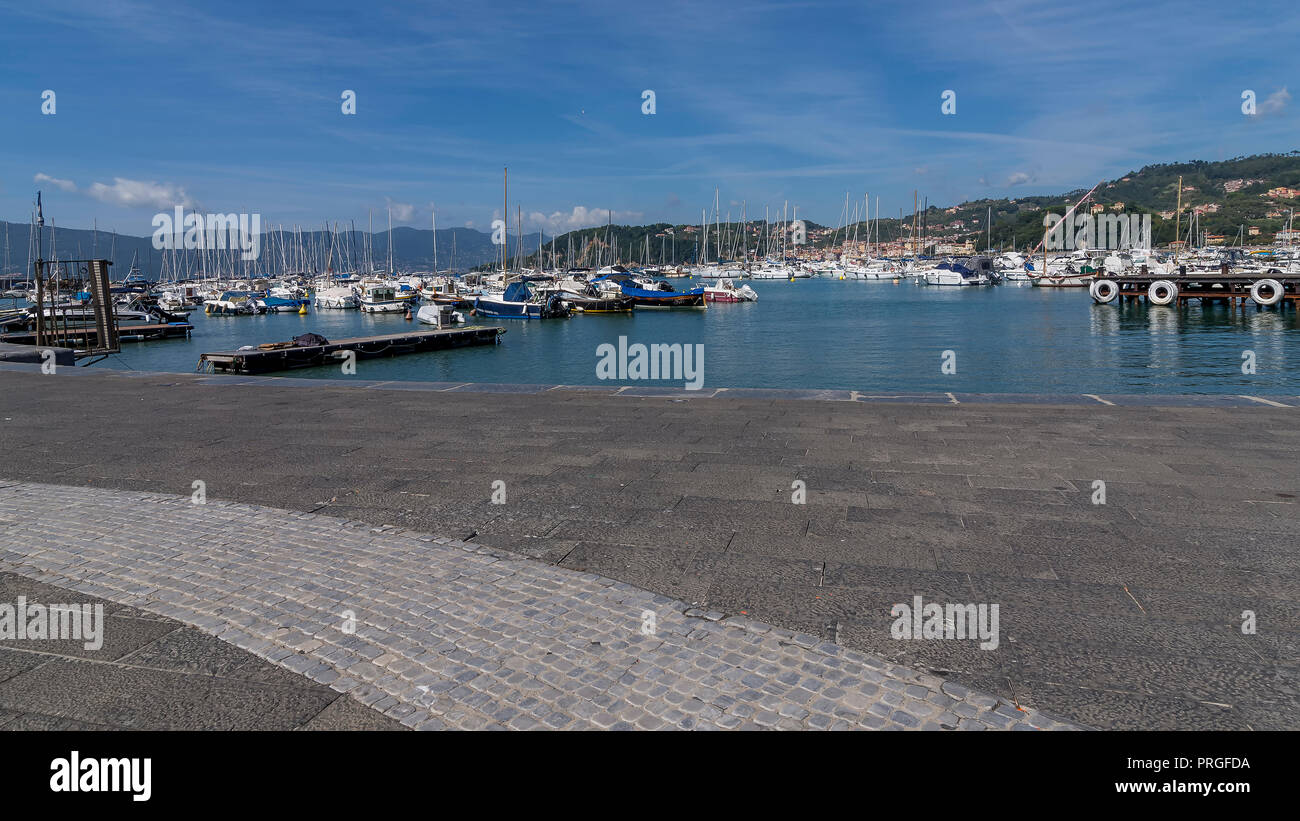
(238, 106)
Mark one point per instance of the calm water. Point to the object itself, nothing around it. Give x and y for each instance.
(866, 336)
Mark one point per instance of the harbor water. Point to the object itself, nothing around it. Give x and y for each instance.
(877, 337)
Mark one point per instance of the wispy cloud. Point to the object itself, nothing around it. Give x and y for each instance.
(777, 100)
(401, 211)
(62, 185)
(579, 217)
(141, 194)
(1276, 102)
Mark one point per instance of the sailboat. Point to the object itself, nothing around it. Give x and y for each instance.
(517, 301)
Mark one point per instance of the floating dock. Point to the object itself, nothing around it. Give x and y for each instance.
(1270, 290)
(265, 360)
(87, 337)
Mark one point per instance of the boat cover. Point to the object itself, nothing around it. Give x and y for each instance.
(517, 292)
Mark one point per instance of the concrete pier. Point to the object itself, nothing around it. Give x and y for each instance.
(1123, 539)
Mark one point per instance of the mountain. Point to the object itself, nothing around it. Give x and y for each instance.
(412, 248)
(1233, 195)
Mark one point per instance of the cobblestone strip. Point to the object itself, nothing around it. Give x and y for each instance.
(445, 634)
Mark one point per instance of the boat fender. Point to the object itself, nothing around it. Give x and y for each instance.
(1103, 291)
(1266, 292)
(1162, 292)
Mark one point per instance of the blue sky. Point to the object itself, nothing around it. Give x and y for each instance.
(236, 106)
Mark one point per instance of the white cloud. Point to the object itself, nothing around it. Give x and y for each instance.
(580, 217)
(62, 185)
(141, 194)
(1275, 102)
(402, 211)
(1019, 178)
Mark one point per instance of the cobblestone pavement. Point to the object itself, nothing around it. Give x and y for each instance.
(154, 673)
(439, 633)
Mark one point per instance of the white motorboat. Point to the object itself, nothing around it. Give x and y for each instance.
(725, 290)
(440, 316)
(338, 298)
(384, 298)
(233, 303)
(972, 271)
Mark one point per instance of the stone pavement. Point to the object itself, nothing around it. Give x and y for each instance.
(440, 634)
(154, 673)
(1124, 615)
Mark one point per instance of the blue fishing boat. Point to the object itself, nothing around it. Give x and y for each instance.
(518, 303)
(282, 305)
(649, 293)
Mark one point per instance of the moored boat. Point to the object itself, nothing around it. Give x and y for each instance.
(384, 298)
(725, 290)
(338, 298)
(655, 294)
(440, 316)
(518, 302)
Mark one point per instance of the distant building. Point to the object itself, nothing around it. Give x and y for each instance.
(1097, 208)
(1286, 236)
(1253, 230)
(952, 248)
(1230, 186)
(1166, 215)
(1119, 206)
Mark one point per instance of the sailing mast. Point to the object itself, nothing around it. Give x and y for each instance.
(505, 213)
(1178, 210)
(704, 225)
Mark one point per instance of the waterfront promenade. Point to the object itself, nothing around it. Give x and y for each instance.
(1125, 614)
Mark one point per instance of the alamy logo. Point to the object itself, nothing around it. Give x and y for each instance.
(951, 621)
(205, 232)
(64, 622)
(657, 361)
(77, 774)
(1100, 231)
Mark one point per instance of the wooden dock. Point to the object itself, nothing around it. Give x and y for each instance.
(1178, 289)
(87, 336)
(262, 360)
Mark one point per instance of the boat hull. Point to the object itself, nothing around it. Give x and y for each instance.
(600, 305)
(1062, 281)
(645, 298)
(386, 307)
(501, 309)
